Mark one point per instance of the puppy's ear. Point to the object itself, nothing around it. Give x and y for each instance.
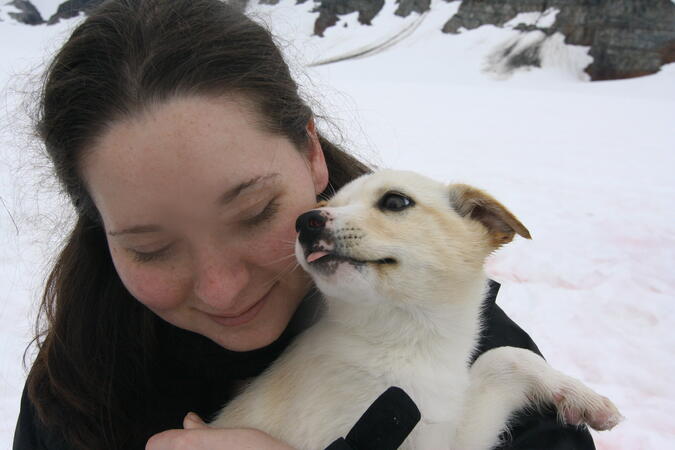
(477, 205)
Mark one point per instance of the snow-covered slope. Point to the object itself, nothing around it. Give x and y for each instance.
(586, 166)
(402, 37)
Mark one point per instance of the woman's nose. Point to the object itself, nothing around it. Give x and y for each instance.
(219, 282)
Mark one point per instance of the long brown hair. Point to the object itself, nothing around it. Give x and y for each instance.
(91, 377)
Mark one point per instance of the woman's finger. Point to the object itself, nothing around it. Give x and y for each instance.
(208, 438)
(193, 421)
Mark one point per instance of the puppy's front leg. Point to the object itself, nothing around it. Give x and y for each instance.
(507, 379)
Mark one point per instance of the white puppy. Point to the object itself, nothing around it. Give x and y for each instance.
(399, 259)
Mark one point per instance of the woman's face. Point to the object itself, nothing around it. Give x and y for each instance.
(199, 207)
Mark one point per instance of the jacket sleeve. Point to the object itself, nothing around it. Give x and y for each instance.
(30, 433)
(531, 430)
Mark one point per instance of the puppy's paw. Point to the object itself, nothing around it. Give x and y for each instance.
(577, 404)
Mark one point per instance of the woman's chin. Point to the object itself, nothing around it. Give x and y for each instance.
(260, 331)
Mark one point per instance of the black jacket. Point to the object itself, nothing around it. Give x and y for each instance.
(200, 370)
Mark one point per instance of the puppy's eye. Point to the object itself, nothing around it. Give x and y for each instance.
(393, 201)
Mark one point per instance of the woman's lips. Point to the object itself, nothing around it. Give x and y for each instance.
(247, 315)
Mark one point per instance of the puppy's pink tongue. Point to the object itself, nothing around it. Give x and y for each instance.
(315, 255)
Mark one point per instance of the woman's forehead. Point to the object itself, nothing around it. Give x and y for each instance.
(193, 136)
(190, 150)
(188, 126)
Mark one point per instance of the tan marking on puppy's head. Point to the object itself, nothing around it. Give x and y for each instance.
(478, 205)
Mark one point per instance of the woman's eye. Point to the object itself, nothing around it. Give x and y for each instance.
(265, 215)
(151, 256)
(393, 201)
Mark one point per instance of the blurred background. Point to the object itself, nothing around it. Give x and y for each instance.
(562, 109)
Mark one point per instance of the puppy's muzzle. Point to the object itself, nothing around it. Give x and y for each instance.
(311, 226)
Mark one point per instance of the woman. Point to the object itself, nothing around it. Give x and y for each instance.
(178, 133)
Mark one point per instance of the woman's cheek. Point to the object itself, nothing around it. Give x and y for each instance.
(158, 286)
(282, 241)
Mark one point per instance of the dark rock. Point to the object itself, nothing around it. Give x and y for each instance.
(529, 57)
(405, 7)
(329, 10)
(627, 38)
(28, 15)
(474, 13)
(72, 8)
(242, 4)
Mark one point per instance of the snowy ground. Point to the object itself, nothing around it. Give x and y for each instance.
(587, 167)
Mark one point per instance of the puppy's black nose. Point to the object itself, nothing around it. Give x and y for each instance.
(310, 221)
(310, 225)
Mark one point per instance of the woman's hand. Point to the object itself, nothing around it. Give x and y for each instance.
(196, 435)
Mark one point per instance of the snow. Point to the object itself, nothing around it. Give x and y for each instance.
(587, 167)
(553, 53)
(547, 18)
(5, 10)
(540, 19)
(47, 8)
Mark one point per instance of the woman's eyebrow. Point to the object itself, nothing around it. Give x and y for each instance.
(251, 184)
(225, 198)
(136, 230)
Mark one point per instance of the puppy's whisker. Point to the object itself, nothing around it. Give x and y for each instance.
(291, 255)
(285, 271)
(332, 188)
(281, 277)
(331, 192)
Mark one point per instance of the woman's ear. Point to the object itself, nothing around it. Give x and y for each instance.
(316, 159)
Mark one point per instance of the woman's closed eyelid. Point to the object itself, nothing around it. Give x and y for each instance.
(267, 213)
(151, 256)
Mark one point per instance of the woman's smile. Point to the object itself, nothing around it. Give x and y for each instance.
(245, 316)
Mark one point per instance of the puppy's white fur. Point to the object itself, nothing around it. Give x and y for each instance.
(407, 315)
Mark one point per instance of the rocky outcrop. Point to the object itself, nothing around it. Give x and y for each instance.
(627, 38)
(27, 14)
(241, 4)
(329, 10)
(72, 8)
(406, 7)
